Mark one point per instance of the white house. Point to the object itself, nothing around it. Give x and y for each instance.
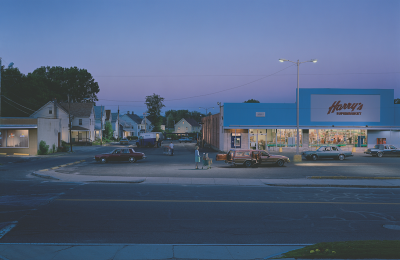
(139, 125)
(83, 121)
(100, 121)
(53, 110)
(187, 125)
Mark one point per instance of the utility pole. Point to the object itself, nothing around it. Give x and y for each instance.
(145, 130)
(101, 127)
(118, 123)
(69, 123)
(0, 86)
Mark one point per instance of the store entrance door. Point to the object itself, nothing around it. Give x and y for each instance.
(361, 140)
(236, 141)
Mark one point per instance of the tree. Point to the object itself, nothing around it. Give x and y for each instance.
(108, 130)
(251, 101)
(154, 105)
(24, 94)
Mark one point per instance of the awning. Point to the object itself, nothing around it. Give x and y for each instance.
(17, 126)
(79, 128)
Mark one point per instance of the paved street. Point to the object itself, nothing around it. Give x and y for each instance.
(49, 211)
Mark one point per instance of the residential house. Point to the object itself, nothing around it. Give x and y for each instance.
(115, 122)
(83, 121)
(187, 125)
(139, 125)
(100, 121)
(53, 110)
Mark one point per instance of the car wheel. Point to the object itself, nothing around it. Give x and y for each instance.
(103, 160)
(379, 155)
(248, 164)
(341, 157)
(280, 163)
(132, 159)
(314, 157)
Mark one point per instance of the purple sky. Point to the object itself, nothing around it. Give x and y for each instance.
(197, 53)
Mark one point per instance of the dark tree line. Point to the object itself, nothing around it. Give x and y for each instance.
(176, 115)
(23, 94)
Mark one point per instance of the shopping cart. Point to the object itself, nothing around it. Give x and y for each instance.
(166, 150)
(206, 161)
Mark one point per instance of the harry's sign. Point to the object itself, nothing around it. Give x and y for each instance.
(345, 108)
(336, 106)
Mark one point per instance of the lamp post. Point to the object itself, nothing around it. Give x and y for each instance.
(206, 108)
(298, 64)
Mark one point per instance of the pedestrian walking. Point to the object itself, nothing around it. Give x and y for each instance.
(197, 157)
(171, 147)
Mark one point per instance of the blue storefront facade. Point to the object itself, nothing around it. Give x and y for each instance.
(343, 117)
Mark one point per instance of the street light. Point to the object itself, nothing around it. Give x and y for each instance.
(206, 108)
(298, 63)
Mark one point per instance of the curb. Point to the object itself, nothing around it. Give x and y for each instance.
(44, 176)
(353, 177)
(332, 185)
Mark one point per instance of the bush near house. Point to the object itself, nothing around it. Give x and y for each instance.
(43, 148)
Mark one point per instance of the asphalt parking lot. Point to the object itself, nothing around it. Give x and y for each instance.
(158, 164)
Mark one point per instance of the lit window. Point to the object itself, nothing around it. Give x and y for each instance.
(16, 138)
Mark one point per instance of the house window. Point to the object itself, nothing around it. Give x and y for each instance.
(80, 121)
(50, 111)
(90, 121)
(183, 122)
(186, 128)
(138, 127)
(179, 128)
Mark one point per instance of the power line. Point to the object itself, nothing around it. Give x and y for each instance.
(16, 107)
(213, 93)
(18, 103)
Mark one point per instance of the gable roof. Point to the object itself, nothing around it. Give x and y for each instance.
(45, 105)
(79, 109)
(114, 117)
(97, 111)
(192, 122)
(135, 118)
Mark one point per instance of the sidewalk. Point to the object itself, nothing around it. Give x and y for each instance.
(309, 182)
(142, 251)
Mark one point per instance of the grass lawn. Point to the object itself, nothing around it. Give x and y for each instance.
(386, 249)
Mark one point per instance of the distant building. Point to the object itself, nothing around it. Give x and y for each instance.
(187, 125)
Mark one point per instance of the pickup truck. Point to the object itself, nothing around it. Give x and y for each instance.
(185, 140)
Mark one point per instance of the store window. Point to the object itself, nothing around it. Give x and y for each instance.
(258, 139)
(14, 138)
(339, 137)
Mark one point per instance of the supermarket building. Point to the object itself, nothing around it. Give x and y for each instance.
(349, 118)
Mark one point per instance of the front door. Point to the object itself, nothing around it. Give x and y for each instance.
(236, 141)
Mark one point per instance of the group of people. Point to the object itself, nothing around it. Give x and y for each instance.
(197, 157)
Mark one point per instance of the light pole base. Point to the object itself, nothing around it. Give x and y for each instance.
(297, 158)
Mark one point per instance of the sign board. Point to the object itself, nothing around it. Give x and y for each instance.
(345, 108)
(260, 114)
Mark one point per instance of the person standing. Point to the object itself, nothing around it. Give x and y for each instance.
(171, 147)
(197, 157)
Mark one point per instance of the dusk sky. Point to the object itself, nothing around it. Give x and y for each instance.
(197, 53)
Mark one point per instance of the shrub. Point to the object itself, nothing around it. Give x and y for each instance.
(43, 148)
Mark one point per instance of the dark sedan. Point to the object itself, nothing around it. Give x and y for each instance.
(120, 155)
(327, 152)
(381, 150)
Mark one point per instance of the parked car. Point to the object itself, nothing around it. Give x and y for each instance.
(124, 141)
(186, 140)
(324, 152)
(380, 150)
(250, 158)
(120, 155)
